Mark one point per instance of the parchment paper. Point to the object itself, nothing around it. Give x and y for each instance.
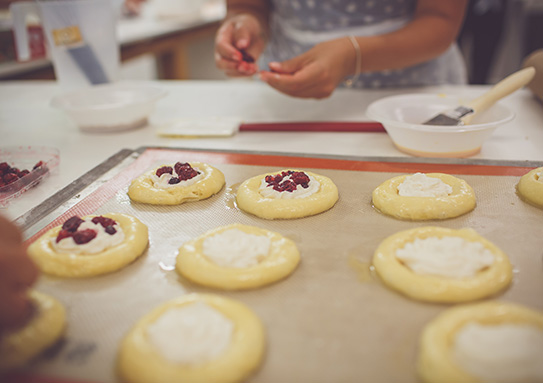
(332, 320)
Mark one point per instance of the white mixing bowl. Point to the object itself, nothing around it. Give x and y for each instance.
(402, 117)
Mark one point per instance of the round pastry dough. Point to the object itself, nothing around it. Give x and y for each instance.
(281, 261)
(44, 328)
(530, 187)
(87, 265)
(142, 190)
(435, 362)
(436, 288)
(139, 361)
(249, 199)
(387, 199)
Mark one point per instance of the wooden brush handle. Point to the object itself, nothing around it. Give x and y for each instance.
(503, 88)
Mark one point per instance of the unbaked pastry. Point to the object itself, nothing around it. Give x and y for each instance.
(176, 184)
(437, 361)
(84, 257)
(43, 329)
(530, 187)
(437, 288)
(460, 200)
(287, 194)
(237, 257)
(223, 346)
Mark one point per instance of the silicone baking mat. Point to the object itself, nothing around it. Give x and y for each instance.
(332, 320)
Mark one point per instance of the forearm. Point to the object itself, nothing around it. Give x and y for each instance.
(429, 34)
(257, 8)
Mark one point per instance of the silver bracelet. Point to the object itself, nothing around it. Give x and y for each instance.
(349, 82)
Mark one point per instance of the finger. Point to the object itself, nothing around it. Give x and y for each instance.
(300, 84)
(9, 231)
(247, 68)
(224, 43)
(242, 36)
(289, 66)
(16, 267)
(225, 65)
(15, 309)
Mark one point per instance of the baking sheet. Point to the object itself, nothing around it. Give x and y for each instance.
(332, 320)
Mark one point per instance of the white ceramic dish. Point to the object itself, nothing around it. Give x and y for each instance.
(402, 117)
(109, 107)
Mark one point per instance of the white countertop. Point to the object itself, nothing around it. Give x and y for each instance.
(27, 119)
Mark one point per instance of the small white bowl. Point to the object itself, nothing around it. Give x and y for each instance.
(109, 107)
(402, 117)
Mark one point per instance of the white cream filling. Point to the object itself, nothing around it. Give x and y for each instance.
(420, 185)
(500, 353)
(235, 248)
(451, 257)
(162, 182)
(300, 192)
(191, 334)
(101, 242)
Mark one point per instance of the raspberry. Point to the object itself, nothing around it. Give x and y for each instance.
(10, 178)
(38, 165)
(185, 171)
(164, 169)
(4, 168)
(72, 224)
(23, 173)
(104, 221)
(246, 56)
(63, 234)
(299, 178)
(84, 236)
(174, 180)
(110, 230)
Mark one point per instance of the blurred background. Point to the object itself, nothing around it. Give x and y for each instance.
(173, 39)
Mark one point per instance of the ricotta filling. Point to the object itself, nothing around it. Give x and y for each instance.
(500, 353)
(235, 248)
(451, 257)
(420, 185)
(101, 242)
(162, 182)
(191, 334)
(267, 191)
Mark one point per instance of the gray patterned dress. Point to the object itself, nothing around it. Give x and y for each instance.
(297, 25)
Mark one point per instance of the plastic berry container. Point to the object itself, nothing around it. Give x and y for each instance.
(24, 167)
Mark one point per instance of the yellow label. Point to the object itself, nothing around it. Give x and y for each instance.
(67, 36)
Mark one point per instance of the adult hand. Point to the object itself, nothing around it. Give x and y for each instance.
(239, 34)
(17, 274)
(315, 73)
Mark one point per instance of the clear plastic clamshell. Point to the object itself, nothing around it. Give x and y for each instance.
(24, 167)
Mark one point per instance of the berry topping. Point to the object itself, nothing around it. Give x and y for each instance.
(174, 180)
(104, 221)
(185, 171)
(84, 236)
(164, 169)
(280, 184)
(63, 234)
(72, 224)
